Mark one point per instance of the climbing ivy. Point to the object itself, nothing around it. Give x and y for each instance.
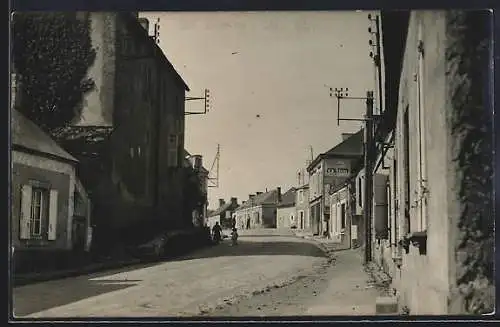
(468, 55)
(52, 53)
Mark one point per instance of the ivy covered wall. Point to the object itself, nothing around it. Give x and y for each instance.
(468, 57)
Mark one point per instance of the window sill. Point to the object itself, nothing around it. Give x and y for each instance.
(417, 239)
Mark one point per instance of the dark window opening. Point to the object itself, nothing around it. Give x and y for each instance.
(343, 215)
(406, 137)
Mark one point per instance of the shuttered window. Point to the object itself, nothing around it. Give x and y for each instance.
(38, 216)
(52, 228)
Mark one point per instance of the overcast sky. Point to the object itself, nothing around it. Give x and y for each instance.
(267, 72)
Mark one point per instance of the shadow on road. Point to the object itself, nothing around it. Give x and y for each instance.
(249, 248)
(50, 297)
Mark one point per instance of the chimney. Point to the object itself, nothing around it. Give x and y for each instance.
(234, 201)
(251, 196)
(221, 202)
(144, 23)
(345, 136)
(197, 162)
(279, 193)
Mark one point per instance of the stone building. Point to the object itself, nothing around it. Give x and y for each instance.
(259, 211)
(224, 213)
(286, 212)
(330, 170)
(129, 134)
(438, 244)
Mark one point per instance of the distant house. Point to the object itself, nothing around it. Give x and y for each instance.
(50, 208)
(328, 171)
(259, 211)
(224, 213)
(286, 213)
(302, 207)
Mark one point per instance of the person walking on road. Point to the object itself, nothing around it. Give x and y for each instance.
(217, 232)
(234, 237)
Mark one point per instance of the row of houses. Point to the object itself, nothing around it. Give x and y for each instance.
(431, 221)
(119, 170)
(313, 203)
(423, 211)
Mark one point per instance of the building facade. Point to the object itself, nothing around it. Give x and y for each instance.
(286, 211)
(224, 213)
(340, 217)
(47, 198)
(195, 163)
(129, 134)
(259, 211)
(435, 173)
(330, 170)
(302, 207)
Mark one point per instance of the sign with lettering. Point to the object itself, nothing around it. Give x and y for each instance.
(338, 168)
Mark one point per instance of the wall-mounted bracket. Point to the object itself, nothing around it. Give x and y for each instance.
(207, 104)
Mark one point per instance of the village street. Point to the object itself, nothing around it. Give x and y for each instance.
(188, 286)
(263, 275)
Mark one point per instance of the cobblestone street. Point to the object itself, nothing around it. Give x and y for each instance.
(195, 284)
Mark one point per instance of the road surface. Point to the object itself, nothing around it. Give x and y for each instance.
(196, 284)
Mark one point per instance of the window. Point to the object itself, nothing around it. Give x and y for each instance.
(38, 208)
(389, 210)
(360, 192)
(301, 196)
(406, 140)
(172, 150)
(38, 216)
(422, 158)
(147, 83)
(343, 216)
(396, 201)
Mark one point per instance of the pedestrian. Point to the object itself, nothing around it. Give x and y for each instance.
(234, 237)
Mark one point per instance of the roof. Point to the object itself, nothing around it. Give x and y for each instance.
(137, 27)
(27, 135)
(270, 197)
(223, 208)
(350, 147)
(288, 198)
(187, 161)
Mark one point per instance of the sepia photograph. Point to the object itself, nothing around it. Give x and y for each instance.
(251, 164)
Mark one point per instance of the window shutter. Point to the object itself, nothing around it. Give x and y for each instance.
(52, 228)
(25, 217)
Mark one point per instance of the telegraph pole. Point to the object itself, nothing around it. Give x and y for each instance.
(368, 175)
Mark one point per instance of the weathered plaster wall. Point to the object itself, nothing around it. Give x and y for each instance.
(60, 176)
(455, 275)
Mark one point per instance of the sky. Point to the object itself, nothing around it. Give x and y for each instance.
(269, 75)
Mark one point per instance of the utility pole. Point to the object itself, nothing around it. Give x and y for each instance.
(368, 175)
(377, 57)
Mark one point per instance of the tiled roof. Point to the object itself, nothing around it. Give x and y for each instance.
(224, 208)
(351, 147)
(28, 135)
(288, 199)
(270, 197)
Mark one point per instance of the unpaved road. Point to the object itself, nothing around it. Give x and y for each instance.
(193, 285)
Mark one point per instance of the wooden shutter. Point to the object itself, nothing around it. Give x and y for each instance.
(25, 216)
(53, 212)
